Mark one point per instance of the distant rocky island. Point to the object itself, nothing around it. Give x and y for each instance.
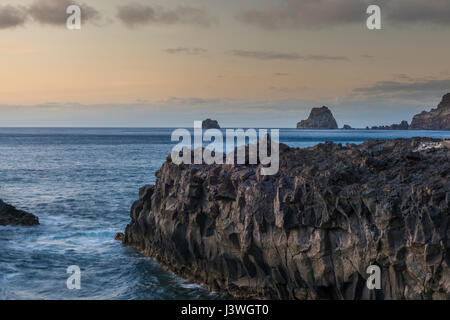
(210, 124)
(312, 230)
(319, 118)
(402, 126)
(435, 119)
(9, 215)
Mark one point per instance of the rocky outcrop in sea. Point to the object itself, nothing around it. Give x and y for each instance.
(312, 230)
(401, 126)
(210, 124)
(435, 119)
(319, 118)
(9, 215)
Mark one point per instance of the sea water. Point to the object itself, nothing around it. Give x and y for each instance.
(81, 182)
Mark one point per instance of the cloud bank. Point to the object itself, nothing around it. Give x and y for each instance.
(53, 12)
(47, 12)
(273, 55)
(263, 114)
(188, 51)
(136, 14)
(11, 17)
(411, 90)
(283, 14)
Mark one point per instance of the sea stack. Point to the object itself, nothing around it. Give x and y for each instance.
(319, 118)
(312, 230)
(9, 215)
(210, 124)
(435, 119)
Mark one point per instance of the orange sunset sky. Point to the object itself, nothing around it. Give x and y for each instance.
(246, 63)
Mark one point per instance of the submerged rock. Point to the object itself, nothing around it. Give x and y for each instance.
(312, 230)
(435, 119)
(319, 118)
(210, 124)
(9, 215)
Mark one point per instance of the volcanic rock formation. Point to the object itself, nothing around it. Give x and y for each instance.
(319, 118)
(9, 215)
(435, 119)
(312, 230)
(210, 124)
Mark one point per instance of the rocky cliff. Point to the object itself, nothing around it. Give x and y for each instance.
(319, 118)
(435, 119)
(311, 231)
(9, 215)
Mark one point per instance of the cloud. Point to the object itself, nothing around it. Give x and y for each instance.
(188, 51)
(307, 13)
(135, 14)
(11, 17)
(393, 86)
(251, 113)
(53, 12)
(282, 14)
(273, 55)
(322, 57)
(411, 90)
(434, 12)
(266, 55)
(193, 101)
(296, 89)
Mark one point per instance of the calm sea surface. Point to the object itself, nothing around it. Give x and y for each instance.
(81, 184)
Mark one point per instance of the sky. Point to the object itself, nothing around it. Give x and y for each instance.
(252, 63)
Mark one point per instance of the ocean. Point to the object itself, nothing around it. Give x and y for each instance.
(81, 182)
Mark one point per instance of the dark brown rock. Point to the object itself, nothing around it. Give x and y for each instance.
(119, 236)
(311, 231)
(210, 124)
(319, 118)
(435, 119)
(9, 215)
